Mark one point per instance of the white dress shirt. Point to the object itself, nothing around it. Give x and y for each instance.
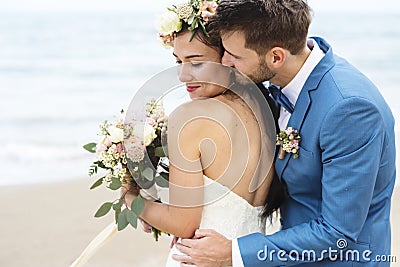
(292, 92)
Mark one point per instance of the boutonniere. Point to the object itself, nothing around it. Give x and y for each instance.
(289, 141)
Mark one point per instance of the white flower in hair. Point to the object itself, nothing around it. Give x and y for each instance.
(168, 23)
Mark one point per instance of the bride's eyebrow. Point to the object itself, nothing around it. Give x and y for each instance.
(188, 57)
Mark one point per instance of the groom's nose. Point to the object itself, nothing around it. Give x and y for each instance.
(227, 60)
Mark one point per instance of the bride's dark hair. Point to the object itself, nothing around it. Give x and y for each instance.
(213, 39)
(275, 195)
(276, 192)
(274, 199)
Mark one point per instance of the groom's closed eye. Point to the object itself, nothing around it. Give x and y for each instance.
(233, 55)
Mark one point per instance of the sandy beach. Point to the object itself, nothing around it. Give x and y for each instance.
(50, 224)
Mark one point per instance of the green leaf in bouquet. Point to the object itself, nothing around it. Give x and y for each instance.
(101, 165)
(156, 233)
(115, 184)
(93, 169)
(117, 213)
(137, 205)
(122, 220)
(97, 183)
(118, 205)
(165, 175)
(159, 152)
(148, 174)
(103, 210)
(161, 180)
(132, 218)
(91, 147)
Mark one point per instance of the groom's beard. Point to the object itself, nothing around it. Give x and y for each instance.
(262, 74)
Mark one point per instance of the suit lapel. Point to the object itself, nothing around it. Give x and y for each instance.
(304, 100)
(296, 121)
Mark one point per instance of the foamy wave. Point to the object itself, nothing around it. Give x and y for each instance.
(29, 163)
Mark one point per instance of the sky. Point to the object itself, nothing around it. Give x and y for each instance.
(156, 5)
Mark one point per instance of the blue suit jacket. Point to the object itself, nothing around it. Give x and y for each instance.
(338, 191)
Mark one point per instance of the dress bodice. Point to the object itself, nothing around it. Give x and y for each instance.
(231, 215)
(227, 213)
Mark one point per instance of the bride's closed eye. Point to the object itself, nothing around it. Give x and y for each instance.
(193, 64)
(196, 64)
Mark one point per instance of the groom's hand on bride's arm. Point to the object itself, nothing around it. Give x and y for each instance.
(207, 249)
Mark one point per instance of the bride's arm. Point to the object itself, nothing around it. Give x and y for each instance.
(181, 217)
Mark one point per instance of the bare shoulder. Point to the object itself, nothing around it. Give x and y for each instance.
(197, 114)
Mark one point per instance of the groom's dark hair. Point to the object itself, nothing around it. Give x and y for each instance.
(265, 23)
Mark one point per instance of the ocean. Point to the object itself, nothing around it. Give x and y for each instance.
(61, 74)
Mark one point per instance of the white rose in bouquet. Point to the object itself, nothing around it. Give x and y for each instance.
(149, 134)
(116, 134)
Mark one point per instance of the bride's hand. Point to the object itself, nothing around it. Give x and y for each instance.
(145, 226)
(129, 193)
(125, 187)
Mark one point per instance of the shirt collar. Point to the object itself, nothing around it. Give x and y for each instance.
(293, 89)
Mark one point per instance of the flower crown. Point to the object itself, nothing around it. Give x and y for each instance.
(194, 13)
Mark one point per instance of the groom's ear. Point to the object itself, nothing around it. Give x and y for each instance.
(275, 57)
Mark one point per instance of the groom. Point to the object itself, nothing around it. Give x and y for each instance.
(338, 191)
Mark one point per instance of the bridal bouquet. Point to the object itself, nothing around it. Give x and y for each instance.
(129, 159)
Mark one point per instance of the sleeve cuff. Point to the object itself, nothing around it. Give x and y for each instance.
(236, 257)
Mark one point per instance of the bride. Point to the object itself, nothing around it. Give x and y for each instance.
(220, 171)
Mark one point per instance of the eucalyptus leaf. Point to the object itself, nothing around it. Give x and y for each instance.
(103, 210)
(97, 183)
(117, 213)
(132, 218)
(148, 174)
(118, 205)
(122, 220)
(91, 147)
(161, 181)
(159, 152)
(115, 184)
(137, 205)
(165, 175)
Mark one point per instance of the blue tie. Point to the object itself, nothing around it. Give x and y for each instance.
(280, 98)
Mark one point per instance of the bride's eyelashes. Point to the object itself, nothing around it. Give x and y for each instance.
(193, 64)
(196, 64)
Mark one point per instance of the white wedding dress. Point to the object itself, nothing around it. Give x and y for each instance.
(231, 215)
